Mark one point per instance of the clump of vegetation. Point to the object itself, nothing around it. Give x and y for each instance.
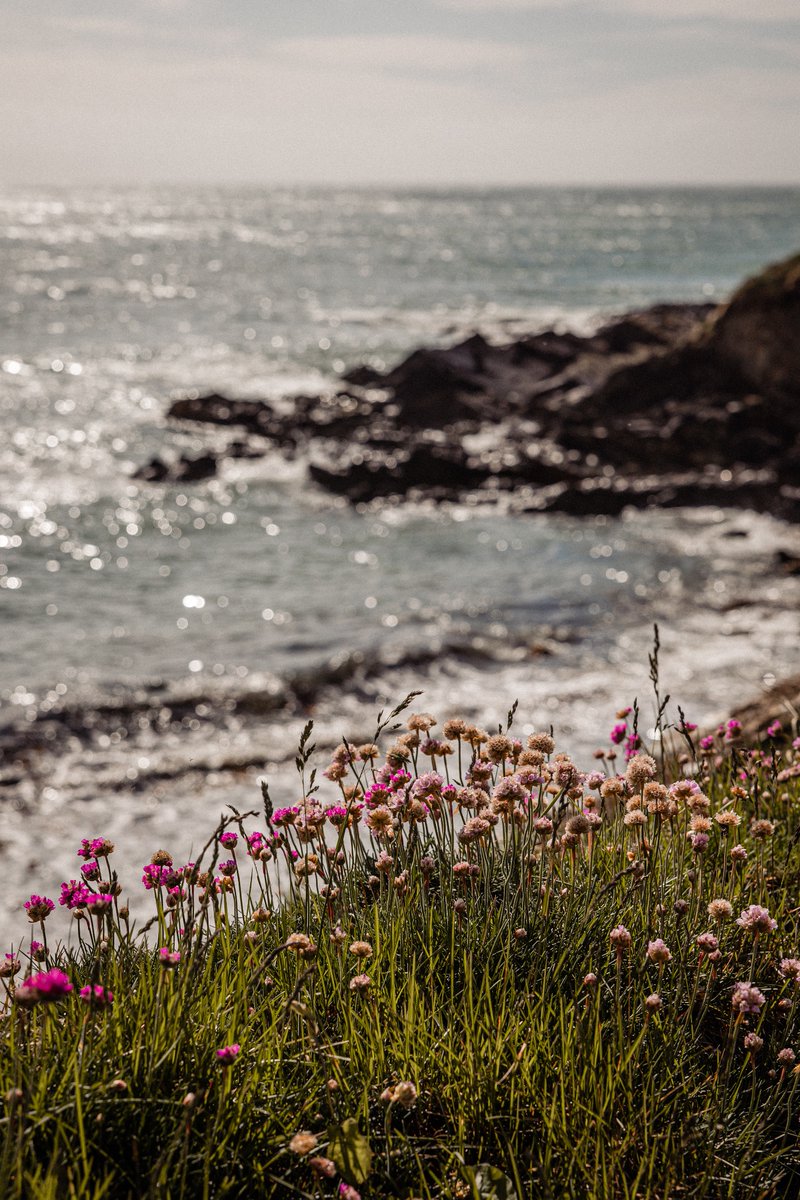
(473, 970)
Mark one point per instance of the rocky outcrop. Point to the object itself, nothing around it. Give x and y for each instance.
(678, 404)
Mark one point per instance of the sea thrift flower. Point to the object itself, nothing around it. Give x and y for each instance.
(96, 996)
(227, 1055)
(726, 818)
(756, 919)
(405, 1093)
(790, 969)
(156, 876)
(301, 944)
(361, 949)
(699, 842)
(91, 870)
(74, 894)
(46, 986)
(347, 1192)
(653, 1003)
(786, 1057)
(774, 729)
(747, 999)
(753, 1042)
(761, 829)
(738, 854)
(707, 942)
(720, 910)
(322, 1167)
(620, 938)
(95, 848)
(641, 769)
(659, 952)
(589, 980)
(228, 839)
(360, 984)
(303, 1142)
(169, 958)
(38, 908)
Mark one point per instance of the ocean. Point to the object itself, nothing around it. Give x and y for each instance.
(149, 611)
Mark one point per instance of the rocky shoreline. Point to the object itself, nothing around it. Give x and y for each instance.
(676, 405)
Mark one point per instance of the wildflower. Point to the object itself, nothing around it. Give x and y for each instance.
(753, 1043)
(361, 949)
(405, 1093)
(786, 1057)
(733, 728)
(228, 869)
(652, 1003)
(454, 728)
(169, 958)
(658, 951)
(641, 769)
(227, 1055)
(760, 830)
(338, 936)
(618, 734)
(96, 996)
(726, 818)
(475, 829)
(360, 984)
(706, 743)
(74, 894)
(303, 1142)
(700, 824)
(95, 848)
(38, 908)
(542, 742)
(98, 902)
(161, 858)
(620, 938)
(543, 826)
(589, 980)
(347, 1192)
(322, 1167)
(301, 944)
(747, 998)
(774, 729)
(790, 969)
(707, 942)
(498, 747)
(699, 842)
(720, 910)
(228, 839)
(420, 722)
(10, 966)
(756, 919)
(578, 824)
(46, 986)
(634, 819)
(738, 854)
(155, 875)
(379, 821)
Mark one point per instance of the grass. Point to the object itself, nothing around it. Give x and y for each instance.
(497, 1041)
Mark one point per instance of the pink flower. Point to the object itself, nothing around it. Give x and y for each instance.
(155, 876)
(45, 987)
(620, 938)
(659, 951)
(91, 870)
(756, 919)
(38, 908)
(169, 958)
(96, 996)
(74, 894)
(747, 999)
(227, 1055)
(228, 839)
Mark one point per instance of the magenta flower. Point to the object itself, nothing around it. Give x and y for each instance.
(45, 986)
(96, 996)
(91, 870)
(228, 839)
(227, 1055)
(155, 876)
(618, 733)
(99, 902)
(38, 908)
(706, 743)
(74, 894)
(169, 958)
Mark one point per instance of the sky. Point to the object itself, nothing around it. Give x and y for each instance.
(434, 92)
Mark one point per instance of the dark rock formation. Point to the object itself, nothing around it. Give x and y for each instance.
(677, 405)
(187, 469)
